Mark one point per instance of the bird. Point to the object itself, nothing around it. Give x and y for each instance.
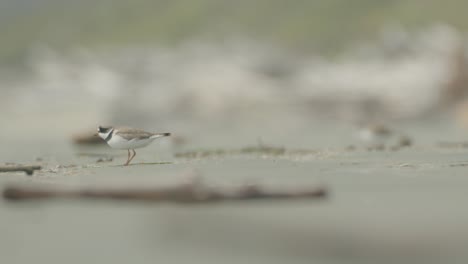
(127, 138)
(376, 135)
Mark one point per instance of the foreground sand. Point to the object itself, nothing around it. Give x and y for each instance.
(384, 206)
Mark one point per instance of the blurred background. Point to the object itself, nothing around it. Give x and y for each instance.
(72, 65)
(226, 74)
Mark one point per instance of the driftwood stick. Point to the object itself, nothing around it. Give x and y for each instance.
(448, 144)
(186, 193)
(252, 150)
(28, 169)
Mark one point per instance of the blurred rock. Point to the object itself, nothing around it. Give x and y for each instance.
(87, 138)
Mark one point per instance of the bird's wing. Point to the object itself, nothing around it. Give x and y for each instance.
(131, 133)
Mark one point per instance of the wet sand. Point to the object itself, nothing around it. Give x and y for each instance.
(384, 206)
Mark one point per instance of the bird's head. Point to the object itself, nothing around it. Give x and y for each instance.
(103, 132)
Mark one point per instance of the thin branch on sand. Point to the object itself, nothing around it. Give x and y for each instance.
(29, 169)
(252, 150)
(194, 192)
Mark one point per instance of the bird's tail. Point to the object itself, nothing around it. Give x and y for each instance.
(158, 135)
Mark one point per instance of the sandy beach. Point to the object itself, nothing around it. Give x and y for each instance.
(383, 205)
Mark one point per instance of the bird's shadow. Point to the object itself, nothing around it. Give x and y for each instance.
(143, 163)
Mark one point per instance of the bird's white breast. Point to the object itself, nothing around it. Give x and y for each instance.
(119, 142)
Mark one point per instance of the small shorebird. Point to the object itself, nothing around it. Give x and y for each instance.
(375, 135)
(128, 138)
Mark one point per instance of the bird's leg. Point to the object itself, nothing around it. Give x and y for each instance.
(128, 158)
(134, 154)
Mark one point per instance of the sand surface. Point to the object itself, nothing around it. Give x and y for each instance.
(384, 206)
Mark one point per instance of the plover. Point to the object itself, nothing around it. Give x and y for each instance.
(375, 135)
(128, 138)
